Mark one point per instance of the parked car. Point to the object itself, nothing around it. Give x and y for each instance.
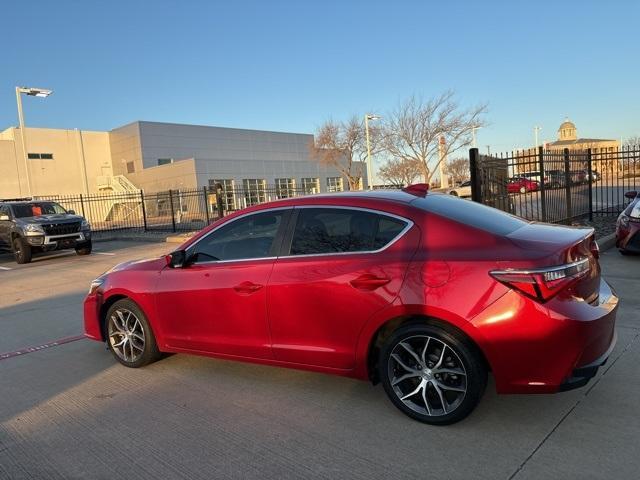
(28, 226)
(462, 191)
(422, 292)
(582, 176)
(628, 225)
(521, 185)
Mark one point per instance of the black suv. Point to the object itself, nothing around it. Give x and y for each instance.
(33, 225)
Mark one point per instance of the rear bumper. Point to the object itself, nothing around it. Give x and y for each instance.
(581, 375)
(535, 348)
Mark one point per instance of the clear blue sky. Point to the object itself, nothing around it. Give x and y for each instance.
(288, 66)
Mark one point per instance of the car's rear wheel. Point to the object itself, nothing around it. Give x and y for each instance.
(129, 335)
(85, 249)
(523, 189)
(454, 193)
(431, 374)
(21, 250)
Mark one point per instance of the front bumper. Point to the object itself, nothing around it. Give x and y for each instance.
(546, 348)
(53, 242)
(628, 238)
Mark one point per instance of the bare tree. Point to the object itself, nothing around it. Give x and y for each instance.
(342, 145)
(458, 169)
(399, 172)
(414, 129)
(633, 141)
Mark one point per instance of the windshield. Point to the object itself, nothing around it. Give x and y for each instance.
(33, 209)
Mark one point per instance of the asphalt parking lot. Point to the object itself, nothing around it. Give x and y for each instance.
(69, 411)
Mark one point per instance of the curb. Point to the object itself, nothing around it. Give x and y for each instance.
(606, 242)
(180, 238)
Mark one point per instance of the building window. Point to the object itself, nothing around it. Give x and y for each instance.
(311, 185)
(254, 190)
(131, 167)
(40, 156)
(285, 187)
(334, 184)
(164, 161)
(228, 195)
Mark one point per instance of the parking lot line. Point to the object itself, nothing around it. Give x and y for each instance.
(37, 348)
(104, 253)
(5, 268)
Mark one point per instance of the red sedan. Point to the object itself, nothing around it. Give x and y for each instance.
(425, 293)
(522, 185)
(628, 225)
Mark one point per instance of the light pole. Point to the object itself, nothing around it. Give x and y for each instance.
(368, 117)
(32, 92)
(473, 133)
(536, 129)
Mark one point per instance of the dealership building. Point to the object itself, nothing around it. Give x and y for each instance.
(157, 157)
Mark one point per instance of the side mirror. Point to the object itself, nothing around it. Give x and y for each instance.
(631, 195)
(177, 259)
(4, 218)
(71, 212)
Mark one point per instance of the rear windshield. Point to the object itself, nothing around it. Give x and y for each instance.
(35, 209)
(470, 213)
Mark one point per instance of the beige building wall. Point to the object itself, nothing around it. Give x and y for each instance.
(78, 158)
(173, 176)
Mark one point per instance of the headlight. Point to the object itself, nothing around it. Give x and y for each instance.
(95, 285)
(623, 221)
(33, 228)
(85, 225)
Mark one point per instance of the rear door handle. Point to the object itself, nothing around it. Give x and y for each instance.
(369, 282)
(247, 288)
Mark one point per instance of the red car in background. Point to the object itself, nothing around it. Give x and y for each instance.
(628, 225)
(522, 185)
(425, 293)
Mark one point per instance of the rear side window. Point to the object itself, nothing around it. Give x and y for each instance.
(245, 238)
(337, 230)
(470, 213)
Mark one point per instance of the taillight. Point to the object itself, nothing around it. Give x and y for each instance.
(543, 283)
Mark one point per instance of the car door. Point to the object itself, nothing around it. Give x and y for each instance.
(339, 267)
(217, 302)
(5, 227)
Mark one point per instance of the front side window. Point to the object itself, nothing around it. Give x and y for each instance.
(34, 209)
(337, 230)
(245, 238)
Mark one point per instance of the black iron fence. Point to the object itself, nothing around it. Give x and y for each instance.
(170, 211)
(557, 186)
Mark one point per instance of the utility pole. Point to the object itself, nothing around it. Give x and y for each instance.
(444, 181)
(473, 133)
(488, 150)
(536, 129)
(368, 117)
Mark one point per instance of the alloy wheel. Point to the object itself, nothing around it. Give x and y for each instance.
(427, 375)
(126, 335)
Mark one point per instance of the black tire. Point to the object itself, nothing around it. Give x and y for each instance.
(454, 193)
(85, 249)
(473, 380)
(21, 250)
(139, 356)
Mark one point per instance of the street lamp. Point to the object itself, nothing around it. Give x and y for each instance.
(367, 117)
(535, 132)
(473, 133)
(32, 92)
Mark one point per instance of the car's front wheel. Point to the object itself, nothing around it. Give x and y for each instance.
(21, 250)
(431, 374)
(523, 189)
(129, 335)
(84, 249)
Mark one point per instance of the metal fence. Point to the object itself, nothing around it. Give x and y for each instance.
(170, 211)
(557, 186)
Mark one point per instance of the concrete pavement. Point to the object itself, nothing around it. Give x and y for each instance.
(70, 411)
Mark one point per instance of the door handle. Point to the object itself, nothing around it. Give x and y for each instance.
(369, 282)
(247, 288)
